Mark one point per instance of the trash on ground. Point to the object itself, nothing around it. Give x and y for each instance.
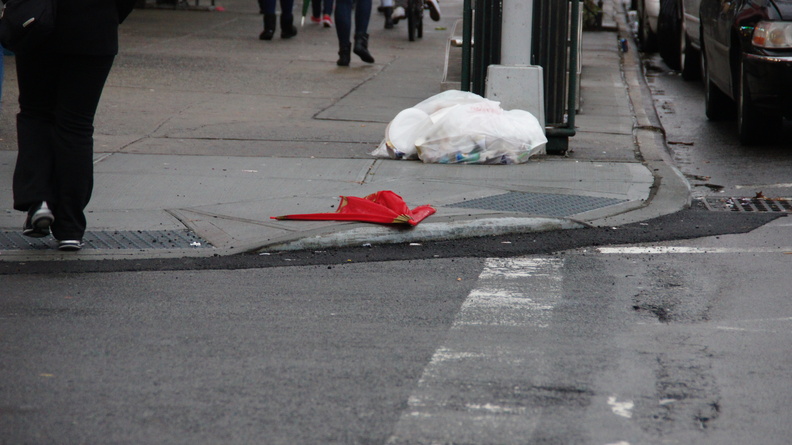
(384, 207)
(457, 127)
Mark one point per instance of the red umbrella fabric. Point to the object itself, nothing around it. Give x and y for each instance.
(384, 207)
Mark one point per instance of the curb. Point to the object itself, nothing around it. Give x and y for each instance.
(425, 232)
(671, 191)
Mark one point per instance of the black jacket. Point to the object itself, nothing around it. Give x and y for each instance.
(88, 27)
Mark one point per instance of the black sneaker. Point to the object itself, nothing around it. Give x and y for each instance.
(70, 245)
(38, 221)
(434, 9)
(398, 14)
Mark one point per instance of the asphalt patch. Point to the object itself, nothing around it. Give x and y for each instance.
(696, 222)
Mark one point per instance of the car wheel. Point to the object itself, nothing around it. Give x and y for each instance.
(717, 104)
(753, 125)
(669, 31)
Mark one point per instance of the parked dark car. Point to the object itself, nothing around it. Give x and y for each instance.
(747, 55)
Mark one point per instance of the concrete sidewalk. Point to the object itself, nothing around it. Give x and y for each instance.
(204, 132)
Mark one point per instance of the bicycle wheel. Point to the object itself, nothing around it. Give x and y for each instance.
(419, 27)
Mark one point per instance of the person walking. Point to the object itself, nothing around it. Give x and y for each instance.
(399, 11)
(322, 12)
(386, 7)
(267, 7)
(343, 16)
(60, 84)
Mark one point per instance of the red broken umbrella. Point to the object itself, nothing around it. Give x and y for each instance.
(384, 207)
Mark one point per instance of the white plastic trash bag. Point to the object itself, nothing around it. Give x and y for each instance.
(401, 133)
(481, 133)
(461, 127)
(411, 123)
(448, 99)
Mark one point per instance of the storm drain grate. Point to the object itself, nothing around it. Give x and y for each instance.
(111, 240)
(733, 204)
(538, 203)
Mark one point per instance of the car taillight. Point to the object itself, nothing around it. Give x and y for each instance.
(773, 35)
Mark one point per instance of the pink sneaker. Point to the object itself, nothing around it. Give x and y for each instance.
(327, 21)
(316, 20)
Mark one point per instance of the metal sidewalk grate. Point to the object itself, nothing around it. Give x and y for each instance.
(736, 204)
(111, 240)
(539, 203)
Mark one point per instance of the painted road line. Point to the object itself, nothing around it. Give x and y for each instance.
(765, 186)
(681, 249)
(454, 401)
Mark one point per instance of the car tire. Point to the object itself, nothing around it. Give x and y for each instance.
(753, 126)
(669, 31)
(717, 105)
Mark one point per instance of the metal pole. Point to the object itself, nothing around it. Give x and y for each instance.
(568, 130)
(558, 136)
(495, 25)
(574, 50)
(467, 34)
(479, 24)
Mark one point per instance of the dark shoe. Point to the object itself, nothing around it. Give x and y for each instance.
(434, 10)
(361, 48)
(269, 27)
(288, 30)
(388, 11)
(344, 54)
(398, 14)
(38, 221)
(70, 245)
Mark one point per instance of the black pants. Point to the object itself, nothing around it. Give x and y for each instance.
(343, 19)
(58, 96)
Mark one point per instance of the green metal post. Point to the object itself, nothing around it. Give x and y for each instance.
(574, 50)
(558, 136)
(479, 55)
(494, 25)
(467, 35)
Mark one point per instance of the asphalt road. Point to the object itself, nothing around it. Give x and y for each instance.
(682, 340)
(572, 340)
(274, 355)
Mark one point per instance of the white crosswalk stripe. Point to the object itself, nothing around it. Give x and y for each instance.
(454, 401)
